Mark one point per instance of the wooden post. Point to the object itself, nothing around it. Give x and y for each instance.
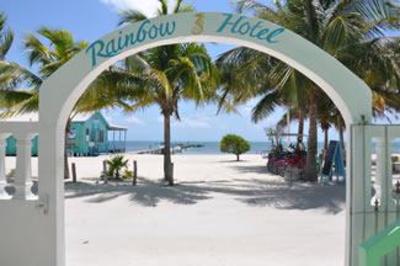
(104, 167)
(134, 180)
(172, 174)
(105, 174)
(73, 172)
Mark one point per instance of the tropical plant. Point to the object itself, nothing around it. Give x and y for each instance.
(60, 49)
(127, 174)
(116, 164)
(351, 31)
(234, 144)
(47, 50)
(165, 76)
(6, 36)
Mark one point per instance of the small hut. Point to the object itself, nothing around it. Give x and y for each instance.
(89, 135)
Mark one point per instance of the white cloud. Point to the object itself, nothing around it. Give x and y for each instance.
(131, 119)
(247, 108)
(148, 7)
(189, 122)
(198, 122)
(114, 116)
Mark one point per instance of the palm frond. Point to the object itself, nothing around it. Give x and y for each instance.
(6, 36)
(6, 41)
(266, 106)
(131, 16)
(12, 75)
(18, 102)
(164, 7)
(36, 50)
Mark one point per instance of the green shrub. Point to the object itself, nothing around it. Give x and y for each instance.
(115, 165)
(128, 174)
(234, 144)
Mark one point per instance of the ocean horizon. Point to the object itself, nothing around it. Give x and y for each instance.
(212, 147)
(208, 147)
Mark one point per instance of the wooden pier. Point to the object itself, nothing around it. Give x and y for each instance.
(178, 148)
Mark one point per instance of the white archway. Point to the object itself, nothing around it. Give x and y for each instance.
(62, 90)
(350, 94)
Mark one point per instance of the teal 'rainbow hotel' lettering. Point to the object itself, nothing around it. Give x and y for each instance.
(243, 26)
(146, 31)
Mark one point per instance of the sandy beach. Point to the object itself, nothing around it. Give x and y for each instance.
(220, 213)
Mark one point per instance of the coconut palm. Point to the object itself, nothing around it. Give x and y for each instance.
(6, 36)
(276, 84)
(61, 48)
(48, 58)
(165, 76)
(47, 50)
(351, 31)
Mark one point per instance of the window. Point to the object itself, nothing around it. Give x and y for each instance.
(101, 136)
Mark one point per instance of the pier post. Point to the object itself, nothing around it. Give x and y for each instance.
(134, 180)
(73, 168)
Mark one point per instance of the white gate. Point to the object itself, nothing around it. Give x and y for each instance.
(32, 229)
(373, 202)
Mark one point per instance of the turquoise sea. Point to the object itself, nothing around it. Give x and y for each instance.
(209, 147)
(212, 147)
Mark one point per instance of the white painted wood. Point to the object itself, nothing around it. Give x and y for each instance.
(356, 205)
(73, 78)
(349, 197)
(3, 179)
(61, 91)
(371, 221)
(393, 133)
(23, 171)
(14, 128)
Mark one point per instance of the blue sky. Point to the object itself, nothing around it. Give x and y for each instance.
(91, 19)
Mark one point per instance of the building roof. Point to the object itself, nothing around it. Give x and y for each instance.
(79, 118)
(27, 117)
(116, 127)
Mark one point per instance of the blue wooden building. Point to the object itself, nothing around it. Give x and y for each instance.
(89, 135)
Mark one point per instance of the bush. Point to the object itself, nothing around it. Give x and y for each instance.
(128, 174)
(234, 144)
(115, 165)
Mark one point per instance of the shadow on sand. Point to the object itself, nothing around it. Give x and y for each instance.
(253, 192)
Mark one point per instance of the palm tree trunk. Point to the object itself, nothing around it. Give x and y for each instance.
(300, 130)
(326, 139)
(311, 173)
(341, 134)
(168, 176)
(66, 165)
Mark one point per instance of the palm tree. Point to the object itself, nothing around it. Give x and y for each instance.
(351, 31)
(61, 48)
(165, 76)
(276, 84)
(57, 48)
(6, 36)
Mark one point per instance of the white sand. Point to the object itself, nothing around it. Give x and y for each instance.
(221, 213)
